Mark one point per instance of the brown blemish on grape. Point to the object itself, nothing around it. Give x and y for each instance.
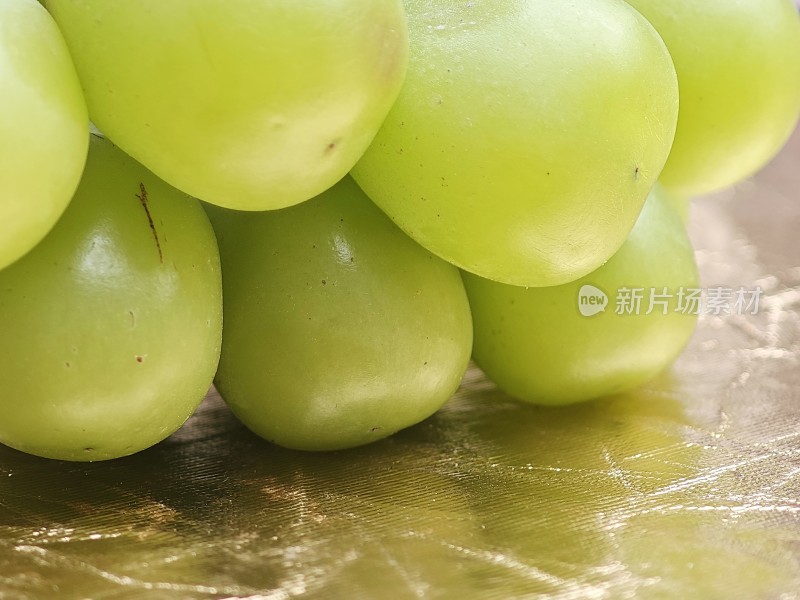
(142, 196)
(90, 449)
(636, 173)
(332, 146)
(133, 318)
(139, 359)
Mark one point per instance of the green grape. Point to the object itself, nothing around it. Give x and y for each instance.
(339, 329)
(248, 105)
(556, 345)
(738, 65)
(527, 135)
(112, 324)
(680, 204)
(44, 128)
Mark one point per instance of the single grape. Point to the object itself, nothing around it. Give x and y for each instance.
(738, 65)
(339, 329)
(569, 343)
(527, 135)
(112, 324)
(44, 128)
(249, 105)
(680, 204)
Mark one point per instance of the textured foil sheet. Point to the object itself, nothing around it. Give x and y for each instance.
(687, 488)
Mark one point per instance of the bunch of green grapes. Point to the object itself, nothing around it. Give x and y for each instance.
(505, 161)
